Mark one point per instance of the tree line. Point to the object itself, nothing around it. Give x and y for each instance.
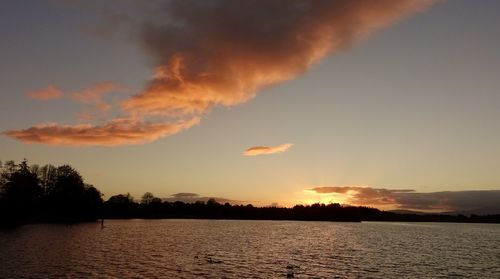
(124, 206)
(33, 193)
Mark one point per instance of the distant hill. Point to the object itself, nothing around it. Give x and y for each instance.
(402, 211)
(478, 211)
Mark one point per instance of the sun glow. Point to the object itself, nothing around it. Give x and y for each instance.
(311, 197)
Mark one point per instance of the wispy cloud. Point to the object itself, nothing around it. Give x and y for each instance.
(221, 53)
(51, 92)
(260, 150)
(93, 95)
(413, 200)
(114, 133)
(93, 98)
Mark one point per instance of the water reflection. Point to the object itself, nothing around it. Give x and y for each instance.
(257, 249)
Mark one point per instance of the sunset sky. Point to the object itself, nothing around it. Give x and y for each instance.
(392, 104)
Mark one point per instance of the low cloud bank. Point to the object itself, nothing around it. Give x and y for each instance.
(412, 200)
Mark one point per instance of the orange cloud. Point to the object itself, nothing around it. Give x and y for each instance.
(96, 91)
(207, 56)
(357, 195)
(93, 97)
(221, 53)
(413, 200)
(116, 132)
(51, 92)
(260, 150)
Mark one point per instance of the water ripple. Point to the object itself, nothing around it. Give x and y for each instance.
(250, 249)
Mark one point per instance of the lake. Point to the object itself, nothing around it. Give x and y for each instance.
(250, 249)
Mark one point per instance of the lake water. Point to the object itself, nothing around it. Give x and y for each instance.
(251, 249)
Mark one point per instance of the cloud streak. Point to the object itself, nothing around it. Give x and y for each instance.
(93, 97)
(261, 150)
(51, 92)
(222, 52)
(413, 200)
(114, 133)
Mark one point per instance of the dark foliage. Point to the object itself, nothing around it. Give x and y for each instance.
(45, 194)
(50, 194)
(123, 207)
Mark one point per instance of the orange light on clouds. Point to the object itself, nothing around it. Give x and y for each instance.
(204, 63)
(51, 92)
(307, 197)
(261, 150)
(117, 132)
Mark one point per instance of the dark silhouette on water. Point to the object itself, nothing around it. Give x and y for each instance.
(50, 194)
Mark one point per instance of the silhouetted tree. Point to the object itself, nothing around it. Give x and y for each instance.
(93, 200)
(33, 193)
(8, 169)
(68, 197)
(121, 199)
(45, 193)
(121, 206)
(147, 198)
(47, 176)
(20, 189)
(212, 202)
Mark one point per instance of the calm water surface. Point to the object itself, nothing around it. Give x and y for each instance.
(251, 249)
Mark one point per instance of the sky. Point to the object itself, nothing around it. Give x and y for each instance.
(392, 104)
